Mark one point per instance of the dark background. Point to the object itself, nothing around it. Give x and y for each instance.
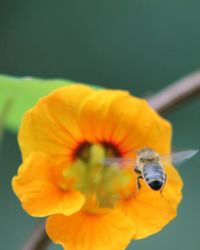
(138, 45)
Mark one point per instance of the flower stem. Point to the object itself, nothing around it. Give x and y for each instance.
(164, 100)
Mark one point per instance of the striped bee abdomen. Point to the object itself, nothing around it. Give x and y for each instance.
(154, 175)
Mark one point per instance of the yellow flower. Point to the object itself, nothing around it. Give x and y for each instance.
(63, 140)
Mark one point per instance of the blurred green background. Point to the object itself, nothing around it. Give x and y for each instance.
(138, 45)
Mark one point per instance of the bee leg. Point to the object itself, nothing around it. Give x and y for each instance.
(163, 186)
(138, 182)
(137, 171)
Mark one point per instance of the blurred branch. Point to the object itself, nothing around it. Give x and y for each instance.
(38, 239)
(167, 98)
(178, 92)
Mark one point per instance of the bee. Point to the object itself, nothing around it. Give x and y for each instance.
(149, 165)
(150, 168)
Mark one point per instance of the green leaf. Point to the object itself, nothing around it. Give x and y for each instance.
(18, 94)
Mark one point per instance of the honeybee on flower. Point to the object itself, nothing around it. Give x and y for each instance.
(64, 138)
(149, 165)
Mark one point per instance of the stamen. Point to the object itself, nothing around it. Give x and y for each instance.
(101, 185)
(111, 149)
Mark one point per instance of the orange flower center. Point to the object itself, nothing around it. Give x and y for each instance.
(102, 184)
(82, 150)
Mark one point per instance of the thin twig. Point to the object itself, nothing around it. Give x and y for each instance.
(176, 93)
(38, 239)
(167, 98)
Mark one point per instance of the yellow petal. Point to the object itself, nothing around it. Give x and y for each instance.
(109, 230)
(38, 187)
(126, 121)
(173, 186)
(150, 210)
(51, 126)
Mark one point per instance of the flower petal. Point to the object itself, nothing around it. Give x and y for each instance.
(173, 186)
(150, 210)
(104, 231)
(126, 121)
(37, 187)
(51, 126)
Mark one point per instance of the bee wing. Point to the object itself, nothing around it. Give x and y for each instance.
(179, 157)
(126, 163)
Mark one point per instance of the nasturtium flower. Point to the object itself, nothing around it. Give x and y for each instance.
(91, 205)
